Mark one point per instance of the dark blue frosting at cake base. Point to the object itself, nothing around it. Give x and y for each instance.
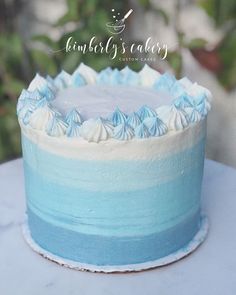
(110, 250)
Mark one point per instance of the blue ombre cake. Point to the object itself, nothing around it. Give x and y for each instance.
(113, 167)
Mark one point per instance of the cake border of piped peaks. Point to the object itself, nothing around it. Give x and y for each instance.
(197, 240)
(190, 104)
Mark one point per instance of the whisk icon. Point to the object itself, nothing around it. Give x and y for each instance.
(119, 26)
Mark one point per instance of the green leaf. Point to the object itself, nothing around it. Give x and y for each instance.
(144, 3)
(46, 40)
(97, 25)
(9, 132)
(12, 86)
(220, 10)
(73, 5)
(90, 6)
(71, 61)
(14, 45)
(196, 43)
(65, 19)
(72, 13)
(227, 51)
(175, 61)
(43, 62)
(162, 13)
(11, 49)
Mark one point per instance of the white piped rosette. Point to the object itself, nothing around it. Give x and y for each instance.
(190, 104)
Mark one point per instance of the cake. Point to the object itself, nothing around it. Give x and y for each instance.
(113, 164)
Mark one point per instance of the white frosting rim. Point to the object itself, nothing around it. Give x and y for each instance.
(197, 240)
(141, 149)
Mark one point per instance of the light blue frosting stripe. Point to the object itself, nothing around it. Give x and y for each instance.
(112, 175)
(103, 250)
(130, 213)
(105, 212)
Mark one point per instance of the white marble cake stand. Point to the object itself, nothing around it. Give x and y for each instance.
(209, 270)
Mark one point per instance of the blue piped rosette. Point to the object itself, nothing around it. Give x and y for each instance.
(190, 104)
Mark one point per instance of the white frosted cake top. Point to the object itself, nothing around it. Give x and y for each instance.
(101, 100)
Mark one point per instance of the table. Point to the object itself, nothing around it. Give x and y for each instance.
(210, 270)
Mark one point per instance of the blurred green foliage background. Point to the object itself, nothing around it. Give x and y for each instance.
(19, 60)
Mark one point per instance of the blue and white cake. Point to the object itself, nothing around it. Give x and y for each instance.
(113, 167)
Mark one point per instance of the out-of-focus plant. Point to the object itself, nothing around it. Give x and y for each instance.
(221, 60)
(10, 86)
(224, 15)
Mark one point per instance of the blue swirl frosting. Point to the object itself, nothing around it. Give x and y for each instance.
(56, 127)
(104, 77)
(195, 107)
(155, 126)
(193, 115)
(130, 77)
(123, 132)
(165, 82)
(195, 90)
(115, 77)
(27, 97)
(41, 116)
(35, 94)
(177, 89)
(27, 109)
(141, 131)
(175, 118)
(63, 80)
(74, 116)
(44, 87)
(201, 104)
(73, 129)
(183, 101)
(148, 76)
(126, 76)
(77, 79)
(133, 120)
(20, 104)
(43, 102)
(107, 124)
(89, 75)
(50, 82)
(146, 112)
(185, 82)
(118, 117)
(110, 77)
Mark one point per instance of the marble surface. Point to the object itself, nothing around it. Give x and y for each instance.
(211, 269)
